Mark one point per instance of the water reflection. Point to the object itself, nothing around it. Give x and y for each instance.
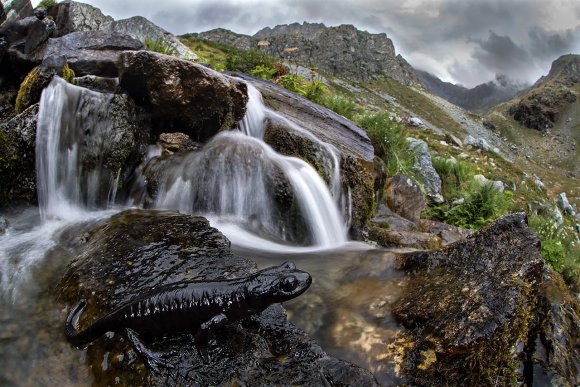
(347, 308)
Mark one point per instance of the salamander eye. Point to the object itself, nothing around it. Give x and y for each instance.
(288, 284)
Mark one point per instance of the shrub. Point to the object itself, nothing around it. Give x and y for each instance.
(389, 139)
(341, 105)
(455, 176)
(315, 91)
(557, 244)
(246, 61)
(264, 72)
(158, 45)
(483, 204)
(293, 83)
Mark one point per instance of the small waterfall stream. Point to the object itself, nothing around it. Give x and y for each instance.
(238, 180)
(272, 207)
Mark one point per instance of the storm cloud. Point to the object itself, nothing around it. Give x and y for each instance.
(463, 41)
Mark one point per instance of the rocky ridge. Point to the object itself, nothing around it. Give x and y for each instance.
(340, 51)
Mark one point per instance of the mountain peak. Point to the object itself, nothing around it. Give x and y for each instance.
(565, 70)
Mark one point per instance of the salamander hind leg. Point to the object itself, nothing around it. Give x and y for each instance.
(153, 359)
(202, 336)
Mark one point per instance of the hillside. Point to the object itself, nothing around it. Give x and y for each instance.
(544, 123)
(341, 51)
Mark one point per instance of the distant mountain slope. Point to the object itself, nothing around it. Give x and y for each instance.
(342, 51)
(477, 99)
(545, 121)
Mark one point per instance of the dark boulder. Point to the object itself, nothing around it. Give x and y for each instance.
(181, 95)
(136, 250)
(474, 309)
(17, 159)
(92, 52)
(72, 16)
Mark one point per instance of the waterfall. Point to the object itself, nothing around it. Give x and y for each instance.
(238, 179)
(73, 133)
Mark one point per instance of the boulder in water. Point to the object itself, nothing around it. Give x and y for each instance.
(183, 96)
(483, 310)
(136, 250)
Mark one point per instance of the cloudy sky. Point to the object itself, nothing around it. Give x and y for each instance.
(461, 41)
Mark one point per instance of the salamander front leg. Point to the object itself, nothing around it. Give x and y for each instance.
(153, 359)
(202, 336)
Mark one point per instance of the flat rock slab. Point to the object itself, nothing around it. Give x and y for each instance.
(138, 249)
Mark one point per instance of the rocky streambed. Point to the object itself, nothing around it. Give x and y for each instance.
(484, 309)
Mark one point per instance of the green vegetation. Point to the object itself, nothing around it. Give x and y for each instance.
(158, 45)
(47, 4)
(455, 176)
(32, 85)
(341, 105)
(390, 142)
(560, 247)
(247, 61)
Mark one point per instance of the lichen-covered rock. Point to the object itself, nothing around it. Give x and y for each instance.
(404, 197)
(472, 311)
(176, 142)
(72, 16)
(17, 159)
(136, 250)
(426, 173)
(142, 29)
(183, 96)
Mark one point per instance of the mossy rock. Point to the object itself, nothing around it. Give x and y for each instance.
(37, 79)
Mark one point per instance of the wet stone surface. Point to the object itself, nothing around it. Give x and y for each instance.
(136, 250)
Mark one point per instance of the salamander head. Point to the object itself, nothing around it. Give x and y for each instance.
(279, 284)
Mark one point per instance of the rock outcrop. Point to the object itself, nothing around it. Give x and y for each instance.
(341, 51)
(426, 173)
(136, 250)
(543, 103)
(182, 96)
(484, 310)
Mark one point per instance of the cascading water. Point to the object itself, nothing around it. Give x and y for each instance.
(73, 134)
(238, 179)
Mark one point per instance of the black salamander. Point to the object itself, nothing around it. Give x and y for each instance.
(195, 306)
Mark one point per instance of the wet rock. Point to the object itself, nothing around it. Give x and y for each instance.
(176, 142)
(409, 239)
(470, 308)
(17, 159)
(448, 233)
(325, 124)
(426, 173)
(183, 96)
(404, 197)
(3, 225)
(99, 84)
(356, 154)
(136, 250)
